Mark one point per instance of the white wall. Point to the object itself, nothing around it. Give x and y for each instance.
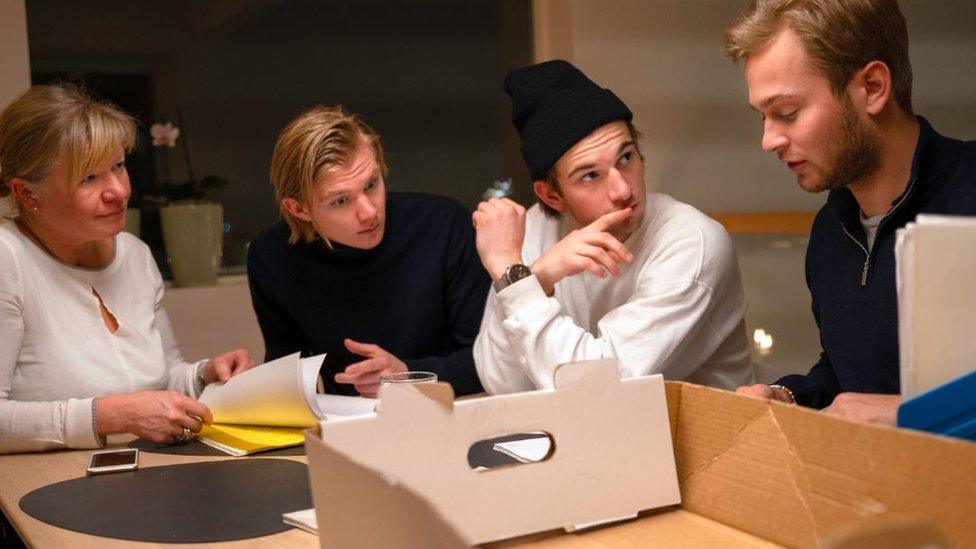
(14, 62)
(664, 59)
(211, 320)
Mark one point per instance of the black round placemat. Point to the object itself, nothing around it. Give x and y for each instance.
(191, 503)
(197, 448)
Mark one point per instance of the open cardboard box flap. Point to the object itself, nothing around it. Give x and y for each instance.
(418, 443)
(797, 477)
(751, 472)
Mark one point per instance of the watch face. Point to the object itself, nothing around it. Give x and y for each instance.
(517, 272)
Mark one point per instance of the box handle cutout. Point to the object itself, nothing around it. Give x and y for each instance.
(511, 450)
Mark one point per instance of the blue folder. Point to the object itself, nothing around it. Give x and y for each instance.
(948, 409)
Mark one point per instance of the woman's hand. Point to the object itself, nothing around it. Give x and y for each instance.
(159, 416)
(226, 366)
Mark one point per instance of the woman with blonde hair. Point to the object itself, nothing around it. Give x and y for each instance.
(86, 349)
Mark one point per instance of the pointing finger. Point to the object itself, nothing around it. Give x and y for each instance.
(363, 349)
(607, 220)
(368, 365)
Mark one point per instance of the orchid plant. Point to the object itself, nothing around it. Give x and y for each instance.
(206, 189)
(164, 135)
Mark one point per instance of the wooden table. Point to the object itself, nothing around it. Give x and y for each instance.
(23, 473)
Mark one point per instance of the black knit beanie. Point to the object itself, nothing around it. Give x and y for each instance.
(554, 105)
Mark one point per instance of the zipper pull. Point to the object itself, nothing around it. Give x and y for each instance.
(864, 273)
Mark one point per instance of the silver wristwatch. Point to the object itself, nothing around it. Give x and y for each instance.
(512, 275)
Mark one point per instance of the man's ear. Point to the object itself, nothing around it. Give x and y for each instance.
(548, 195)
(296, 209)
(872, 84)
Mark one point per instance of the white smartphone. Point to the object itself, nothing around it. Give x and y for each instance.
(113, 461)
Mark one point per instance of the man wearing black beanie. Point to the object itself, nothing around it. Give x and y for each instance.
(600, 268)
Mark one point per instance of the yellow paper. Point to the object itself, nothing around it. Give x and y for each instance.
(241, 440)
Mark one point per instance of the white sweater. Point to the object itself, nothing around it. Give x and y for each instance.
(56, 353)
(676, 310)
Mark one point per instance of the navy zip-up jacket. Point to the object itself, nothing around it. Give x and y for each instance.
(854, 298)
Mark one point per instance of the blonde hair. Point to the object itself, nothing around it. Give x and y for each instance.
(47, 121)
(319, 139)
(840, 36)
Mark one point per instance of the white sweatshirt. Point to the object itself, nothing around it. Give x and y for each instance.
(56, 353)
(676, 310)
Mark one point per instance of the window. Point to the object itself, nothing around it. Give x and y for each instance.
(426, 75)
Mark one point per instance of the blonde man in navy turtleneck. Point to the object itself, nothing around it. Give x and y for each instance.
(381, 283)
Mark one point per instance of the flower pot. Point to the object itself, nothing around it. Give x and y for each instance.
(132, 219)
(194, 238)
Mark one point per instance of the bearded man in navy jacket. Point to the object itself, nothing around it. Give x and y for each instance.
(837, 110)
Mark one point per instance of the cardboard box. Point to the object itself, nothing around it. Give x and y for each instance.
(752, 473)
(420, 438)
(797, 477)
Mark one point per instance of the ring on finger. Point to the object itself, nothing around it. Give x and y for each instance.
(184, 437)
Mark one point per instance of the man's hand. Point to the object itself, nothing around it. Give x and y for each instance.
(227, 365)
(365, 375)
(159, 416)
(762, 390)
(591, 248)
(865, 407)
(500, 227)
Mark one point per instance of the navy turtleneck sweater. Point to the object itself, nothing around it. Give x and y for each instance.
(419, 294)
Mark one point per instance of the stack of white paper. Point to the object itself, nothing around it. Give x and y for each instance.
(936, 271)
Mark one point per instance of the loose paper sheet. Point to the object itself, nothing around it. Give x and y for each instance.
(304, 520)
(337, 406)
(528, 450)
(272, 394)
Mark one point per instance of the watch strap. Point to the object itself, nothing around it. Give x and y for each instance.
(786, 390)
